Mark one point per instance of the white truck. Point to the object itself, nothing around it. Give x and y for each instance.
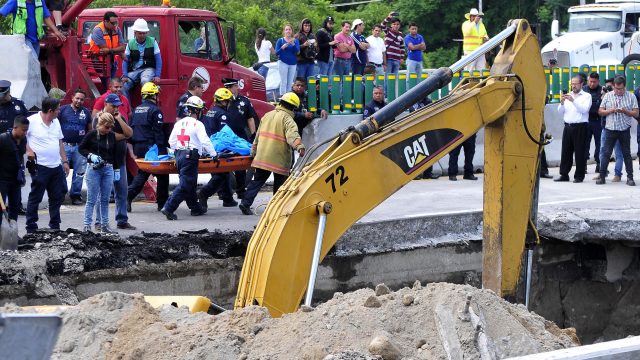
(604, 33)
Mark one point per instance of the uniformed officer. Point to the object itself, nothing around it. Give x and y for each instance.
(196, 88)
(213, 121)
(244, 122)
(10, 107)
(376, 103)
(189, 140)
(147, 124)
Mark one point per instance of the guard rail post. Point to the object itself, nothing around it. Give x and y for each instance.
(335, 94)
(358, 87)
(402, 84)
(413, 81)
(312, 98)
(324, 93)
(629, 73)
(347, 94)
(602, 71)
(555, 84)
(368, 88)
(565, 82)
(392, 82)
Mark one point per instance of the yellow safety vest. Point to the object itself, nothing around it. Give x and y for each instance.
(472, 36)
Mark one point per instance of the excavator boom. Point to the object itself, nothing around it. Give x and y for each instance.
(368, 164)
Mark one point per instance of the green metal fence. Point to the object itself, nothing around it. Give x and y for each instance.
(349, 94)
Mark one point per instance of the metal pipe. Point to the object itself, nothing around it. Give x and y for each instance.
(484, 48)
(70, 15)
(316, 258)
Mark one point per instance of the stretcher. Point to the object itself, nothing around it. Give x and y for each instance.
(205, 166)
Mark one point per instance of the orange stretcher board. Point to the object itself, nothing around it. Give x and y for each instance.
(205, 166)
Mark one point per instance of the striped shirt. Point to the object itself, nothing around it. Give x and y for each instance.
(619, 121)
(394, 41)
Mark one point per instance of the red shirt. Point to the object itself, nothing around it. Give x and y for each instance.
(124, 109)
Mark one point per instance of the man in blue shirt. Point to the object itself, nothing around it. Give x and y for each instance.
(359, 58)
(28, 19)
(143, 62)
(415, 46)
(75, 121)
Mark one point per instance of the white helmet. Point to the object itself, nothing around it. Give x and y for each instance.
(140, 25)
(194, 102)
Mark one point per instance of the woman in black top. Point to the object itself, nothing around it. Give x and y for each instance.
(99, 147)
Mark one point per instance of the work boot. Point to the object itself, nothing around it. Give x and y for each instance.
(470, 177)
(229, 203)
(76, 200)
(126, 226)
(107, 230)
(453, 178)
(246, 210)
(198, 212)
(97, 227)
(616, 179)
(630, 181)
(601, 182)
(169, 215)
(202, 200)
(86, 228)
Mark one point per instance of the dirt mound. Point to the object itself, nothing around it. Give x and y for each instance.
(419, 323)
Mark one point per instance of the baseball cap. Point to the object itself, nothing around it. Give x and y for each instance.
(113, 99)
(5, 86)
(329, 19)
(356, 22)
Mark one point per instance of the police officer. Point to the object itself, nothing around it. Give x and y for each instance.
(147, 124)
(10, 107)
(213, 121)
(196, 88)
(243, 121)
(376, 103)
(189, 140)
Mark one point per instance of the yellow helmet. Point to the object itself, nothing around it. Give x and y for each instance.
(291, 98)
(149, 89)
(223, 94)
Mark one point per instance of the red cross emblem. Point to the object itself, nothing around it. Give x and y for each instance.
(184, 139)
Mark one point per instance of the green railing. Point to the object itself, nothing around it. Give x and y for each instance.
(348, 94)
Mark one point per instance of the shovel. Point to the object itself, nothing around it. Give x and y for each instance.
(8, 230)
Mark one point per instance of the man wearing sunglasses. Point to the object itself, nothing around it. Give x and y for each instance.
(106, 39)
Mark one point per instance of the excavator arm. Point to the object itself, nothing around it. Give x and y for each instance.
(370, 162)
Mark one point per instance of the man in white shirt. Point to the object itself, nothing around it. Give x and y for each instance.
(44, 145)
(376, 53)
(189, 141)
(574, 108)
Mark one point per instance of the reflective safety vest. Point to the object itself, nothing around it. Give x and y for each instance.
(472, 36)
(111, 40)
(20, 19)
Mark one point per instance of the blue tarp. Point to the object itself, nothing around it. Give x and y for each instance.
(152, 155)
(226, 139)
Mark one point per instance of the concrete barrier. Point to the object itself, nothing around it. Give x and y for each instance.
(19, 66)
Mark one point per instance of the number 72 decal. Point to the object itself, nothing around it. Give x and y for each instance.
(340, 173)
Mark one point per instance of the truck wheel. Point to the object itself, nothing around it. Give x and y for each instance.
(632, 59)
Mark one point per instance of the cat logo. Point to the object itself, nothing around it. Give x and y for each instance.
(416, 152)
(411, 153)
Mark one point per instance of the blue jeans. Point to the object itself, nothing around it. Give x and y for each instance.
(595, 130)
(341, 66)
(99, 183)
(79, 165)
(306, 70)
(120, 188)
(263, 71)
(54, 182)
(393, 66)
(186, 189)
(325, 68)
(618, 152)
(624, 139)
(140, 76)
(413, 67)
(287, 75)
(10, 191)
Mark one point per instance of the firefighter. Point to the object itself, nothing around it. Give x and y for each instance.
(214, 120)
(147, 122)
(189, 140)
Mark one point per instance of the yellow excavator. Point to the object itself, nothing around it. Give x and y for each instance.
(366, 164)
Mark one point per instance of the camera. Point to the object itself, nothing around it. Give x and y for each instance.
(608, 88)
(565, 91)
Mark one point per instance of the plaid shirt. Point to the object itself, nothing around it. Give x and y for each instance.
(619, 121)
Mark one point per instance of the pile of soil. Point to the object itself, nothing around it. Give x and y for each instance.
(45, 255)
(413, 323)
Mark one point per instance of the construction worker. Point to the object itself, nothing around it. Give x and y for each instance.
(147, 123)
(195, 88)
(213, 121)
(271, 149)
(28, 19)
(106, 40)
(189, 141)
(142, 61)
(473, 35)
(243, 120)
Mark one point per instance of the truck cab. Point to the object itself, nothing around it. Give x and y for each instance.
(603, 33)
(192, 43)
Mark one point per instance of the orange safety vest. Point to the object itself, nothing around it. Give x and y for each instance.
(111, 40)
(472, 36)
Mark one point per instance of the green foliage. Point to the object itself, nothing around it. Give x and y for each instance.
(441, 57)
